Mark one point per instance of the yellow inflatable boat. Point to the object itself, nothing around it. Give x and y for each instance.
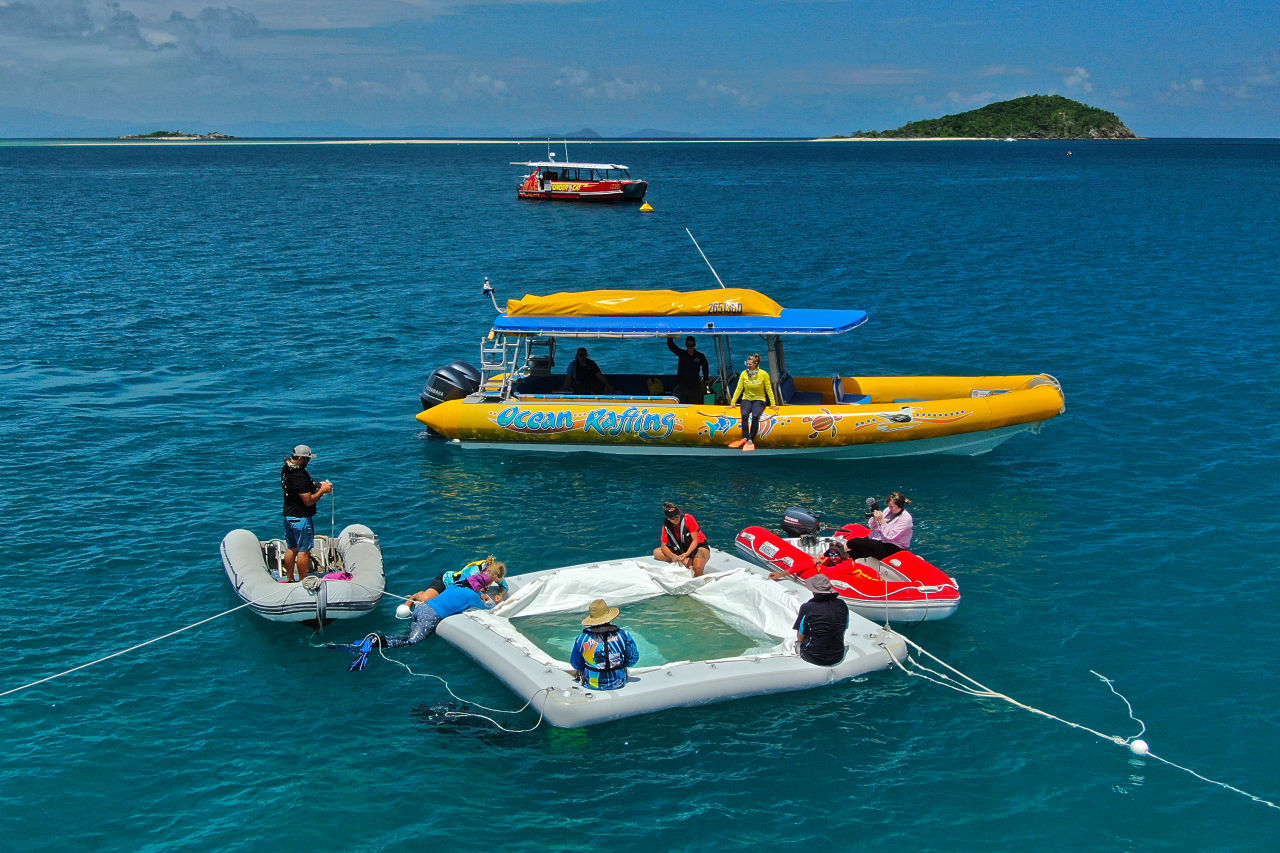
(514, 398)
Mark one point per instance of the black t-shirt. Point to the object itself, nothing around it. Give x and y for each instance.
(296, 482)
(584, 372)
(823, 620)
(690, 369)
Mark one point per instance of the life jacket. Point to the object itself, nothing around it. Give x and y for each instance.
(610, 632)
(680, 538)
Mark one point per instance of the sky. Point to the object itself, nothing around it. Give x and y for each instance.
(499, 68)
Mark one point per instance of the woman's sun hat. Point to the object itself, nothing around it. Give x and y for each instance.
(600, 613)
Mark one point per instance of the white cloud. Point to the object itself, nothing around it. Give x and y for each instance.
(971, 99)
(1078, 79)
(584, 83)
(472, 87)
(705, 90)
(312, 14)
(1002, 71)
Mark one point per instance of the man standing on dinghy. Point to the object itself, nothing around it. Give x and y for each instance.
(301, 494)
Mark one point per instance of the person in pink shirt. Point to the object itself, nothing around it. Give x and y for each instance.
(890, 530)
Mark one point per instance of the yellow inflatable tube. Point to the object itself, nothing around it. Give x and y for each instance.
(646, 303)
(901, 409)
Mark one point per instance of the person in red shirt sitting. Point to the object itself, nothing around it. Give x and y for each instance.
(683, 541)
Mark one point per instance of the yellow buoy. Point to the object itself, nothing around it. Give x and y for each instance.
(646, 208)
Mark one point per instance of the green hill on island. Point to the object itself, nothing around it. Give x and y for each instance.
(1032, 117)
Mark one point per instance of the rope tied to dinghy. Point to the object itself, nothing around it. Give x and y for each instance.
(126, 651)
(970, 686)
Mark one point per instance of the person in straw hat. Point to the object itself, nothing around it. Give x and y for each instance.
(603, 651)
(821, 624)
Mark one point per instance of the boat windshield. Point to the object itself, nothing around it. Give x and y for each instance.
(582, 174)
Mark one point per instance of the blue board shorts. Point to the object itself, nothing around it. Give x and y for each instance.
(299, 533)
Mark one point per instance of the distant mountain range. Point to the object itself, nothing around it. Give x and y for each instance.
(1032, 117)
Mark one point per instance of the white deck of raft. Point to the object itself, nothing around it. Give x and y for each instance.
(738, 592)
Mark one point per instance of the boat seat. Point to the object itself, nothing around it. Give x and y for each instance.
(837, 388)
(787, 391)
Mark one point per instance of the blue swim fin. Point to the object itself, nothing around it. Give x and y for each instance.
(362, 650)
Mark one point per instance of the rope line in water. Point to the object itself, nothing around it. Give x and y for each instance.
(457, 714)
(125, 651)
(1134, 744)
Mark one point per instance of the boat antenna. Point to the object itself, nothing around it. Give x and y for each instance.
(489, 292)
(704, 257)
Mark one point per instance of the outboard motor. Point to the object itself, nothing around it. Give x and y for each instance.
(451, 382)
(799, 522)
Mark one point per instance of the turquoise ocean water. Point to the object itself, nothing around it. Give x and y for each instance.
(176, 318)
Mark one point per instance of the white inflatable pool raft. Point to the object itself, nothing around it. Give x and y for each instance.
(254, 569)
(737, 592)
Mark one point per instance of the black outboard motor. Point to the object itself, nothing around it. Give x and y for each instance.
(799, 522)
(451, 382)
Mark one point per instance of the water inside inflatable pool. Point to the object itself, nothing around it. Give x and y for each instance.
(666, 628)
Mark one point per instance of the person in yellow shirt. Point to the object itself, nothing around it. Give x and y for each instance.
(754, 388)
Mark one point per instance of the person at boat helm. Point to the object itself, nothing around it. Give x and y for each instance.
(692, 370)
(821, 623)
(301, 494)
(754, 387)
(891, 530)
(683, 541)
(585, 377)
(603, 651)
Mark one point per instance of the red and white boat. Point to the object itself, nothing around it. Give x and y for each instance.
(550, 180)
(901, 588)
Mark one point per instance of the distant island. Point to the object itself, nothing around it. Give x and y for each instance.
(169, 135)
(1032, 117)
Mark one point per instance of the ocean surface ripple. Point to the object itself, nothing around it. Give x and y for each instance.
(176, 318)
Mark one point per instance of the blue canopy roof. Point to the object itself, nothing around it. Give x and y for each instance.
(794, 321)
